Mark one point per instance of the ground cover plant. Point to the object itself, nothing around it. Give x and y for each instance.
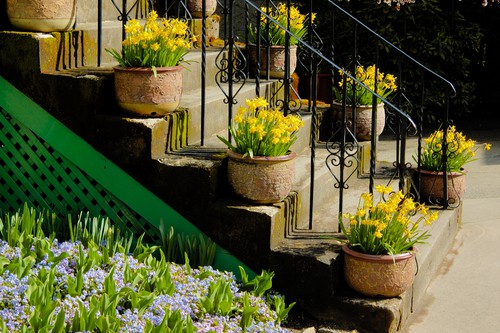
(95, 282)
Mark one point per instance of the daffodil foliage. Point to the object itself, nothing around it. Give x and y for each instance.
(389, 226)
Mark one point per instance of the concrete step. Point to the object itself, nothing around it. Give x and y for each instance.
(196, 177)
(192, 74)
(35, 52)
(216, 110)
(232, 222)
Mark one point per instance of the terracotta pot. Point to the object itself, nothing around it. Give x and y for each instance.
(363, 119)
(276, 60)
(432, 186)
(195, 7)
(42, 15)
(379, 275)
(139, 92)
(262, 179)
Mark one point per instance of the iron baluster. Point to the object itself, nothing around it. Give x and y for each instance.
(203, 68)
(99, 32)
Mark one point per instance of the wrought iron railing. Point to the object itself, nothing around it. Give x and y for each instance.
(405, 112)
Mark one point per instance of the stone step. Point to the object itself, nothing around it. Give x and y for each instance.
(192, 74)
(42, 65)
(35, 52)
(196, 177)
(154, 137)
(87, 16)
(216, 110)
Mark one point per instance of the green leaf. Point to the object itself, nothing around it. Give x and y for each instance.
(59, 325)
(227, 143)
(3, 262)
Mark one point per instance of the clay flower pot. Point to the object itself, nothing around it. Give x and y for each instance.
(379, 275)
(432, 186)
(139, 92)
(42, 15)
(195, 7)
(276, 60)
(363, 119)
(261, 179)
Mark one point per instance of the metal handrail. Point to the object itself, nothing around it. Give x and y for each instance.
(397, 49)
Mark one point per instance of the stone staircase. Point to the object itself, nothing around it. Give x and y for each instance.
(164, 154)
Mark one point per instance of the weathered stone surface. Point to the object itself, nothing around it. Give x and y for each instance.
(312, 264)
(333, 330)
(212, 28)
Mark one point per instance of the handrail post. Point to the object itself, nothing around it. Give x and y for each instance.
(230, 65)
(444, 155)
(99, 32)
(124, 18)
(203, 68)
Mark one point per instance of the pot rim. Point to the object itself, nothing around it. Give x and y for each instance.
(436, 173)
(379, 258)
(272, 46)
(283, 158)
(337, 103)
(147, 69)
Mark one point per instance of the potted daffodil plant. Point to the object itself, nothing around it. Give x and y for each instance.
(381, 237)
(445, 152)
(260, 167)
(272, 35)
(148, 80)
(361, 99)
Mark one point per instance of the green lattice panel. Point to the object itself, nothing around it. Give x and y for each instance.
(32, 171)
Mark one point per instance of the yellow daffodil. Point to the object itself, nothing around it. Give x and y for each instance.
(389, 226)
(157, 43)
(258, 130)
(274, 34)
(459, 150)
(375, 80)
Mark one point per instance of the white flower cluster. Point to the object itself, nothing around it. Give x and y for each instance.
(485, 2)
(397, 3)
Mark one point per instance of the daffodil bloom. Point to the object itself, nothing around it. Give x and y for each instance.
(361, 212)
(389, 226)
(274, 34)
(459, 150)
(258, 130)
(238, 118)
(383, 189)
(382, 84)
(155, 46)
(157, 43)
